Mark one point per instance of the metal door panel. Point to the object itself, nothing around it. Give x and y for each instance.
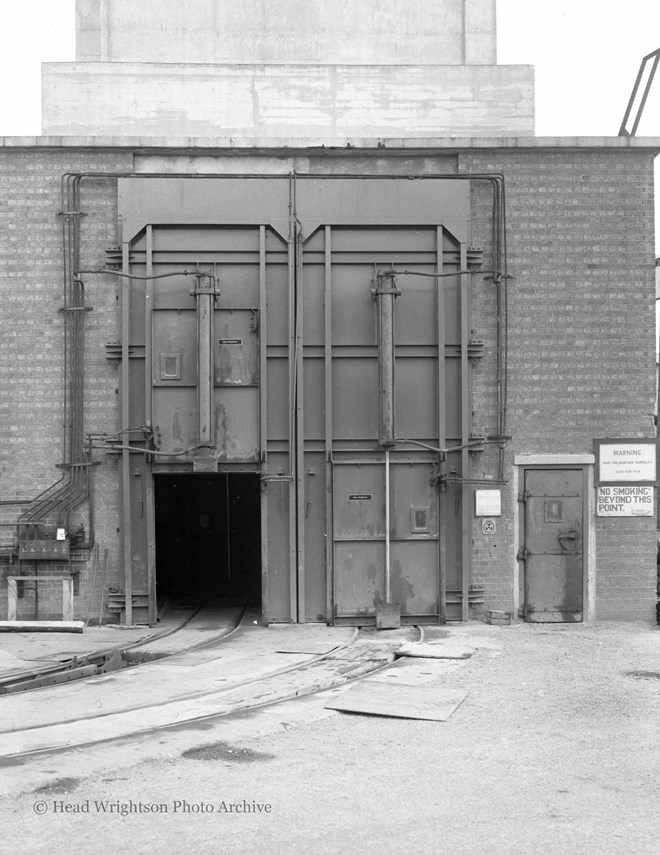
(415, 577)
(278, 593)
(236, 352)
(452, 413)
(359, 510)
(277, 383)
(359, 537)
(175, 419)
(352, 307)
(174, 348)
(313, 309)
(553, 545)
(351, 238)
(314, 403)
(185, 201)
(382, 201)
(360, 584)
(416, 314)
(355, 398)
(417, 398)
(237, 423)
(413, 502)
(315, 606)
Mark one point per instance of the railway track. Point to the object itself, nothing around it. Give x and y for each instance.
(105, 661)
(243, 668)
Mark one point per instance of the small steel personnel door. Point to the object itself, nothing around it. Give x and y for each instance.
(553, 539)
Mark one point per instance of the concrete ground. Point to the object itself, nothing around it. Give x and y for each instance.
(556, 749)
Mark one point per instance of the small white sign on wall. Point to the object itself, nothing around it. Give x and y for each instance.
(488, 503)
(625, 501)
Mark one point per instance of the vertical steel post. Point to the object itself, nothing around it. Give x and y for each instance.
(388, 561)
(263, 419)
(293, 367)
(442, 428)
(466, 517)
(329, 530)
(301, 486)
(125, 315)
(148, 411)
(205, 293)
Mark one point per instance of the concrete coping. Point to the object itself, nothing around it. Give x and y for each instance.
(424, 145)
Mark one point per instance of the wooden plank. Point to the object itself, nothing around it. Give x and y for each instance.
(42, 625)
(374, 697)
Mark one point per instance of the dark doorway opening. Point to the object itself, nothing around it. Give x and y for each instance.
(208, 537)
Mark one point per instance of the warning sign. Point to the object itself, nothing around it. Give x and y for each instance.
(624, 460)
(624, 502)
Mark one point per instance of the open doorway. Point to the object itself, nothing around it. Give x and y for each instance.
(208, 537)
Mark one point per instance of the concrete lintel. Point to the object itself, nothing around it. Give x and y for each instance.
(364, 145)
(553, 459)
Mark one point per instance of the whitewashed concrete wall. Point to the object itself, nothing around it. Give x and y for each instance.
(287, 102)
(361, 32)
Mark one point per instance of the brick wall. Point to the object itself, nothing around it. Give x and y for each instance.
(31, 349)
(581, 341)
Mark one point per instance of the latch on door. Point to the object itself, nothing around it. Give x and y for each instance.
(568, 536)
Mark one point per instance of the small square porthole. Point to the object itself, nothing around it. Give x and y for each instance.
(554, 510)
(419, 520)
(170, 366)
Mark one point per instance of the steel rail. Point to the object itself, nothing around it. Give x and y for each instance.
(302, 690)
(107, 653)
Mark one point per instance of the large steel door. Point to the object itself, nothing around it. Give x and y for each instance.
(553, 538)
(348, 230)
(249, 345)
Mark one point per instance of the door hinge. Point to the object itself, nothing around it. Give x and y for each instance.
(523, 497)
(523, 554)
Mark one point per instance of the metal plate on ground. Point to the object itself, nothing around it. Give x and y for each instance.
(373, 697)
(440, 650)
(413, 672)
(388, 616)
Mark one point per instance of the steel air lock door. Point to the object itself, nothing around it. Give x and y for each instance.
(205, 358)
(371, 526)
(553, 545)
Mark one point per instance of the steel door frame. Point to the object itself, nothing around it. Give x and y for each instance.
(585, 464)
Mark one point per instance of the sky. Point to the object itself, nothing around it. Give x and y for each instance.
(586, 54)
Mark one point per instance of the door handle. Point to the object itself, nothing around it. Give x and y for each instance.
(569, 535)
